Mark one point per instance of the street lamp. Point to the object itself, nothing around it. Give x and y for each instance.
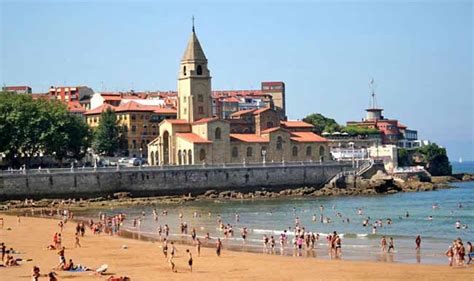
(351, 144)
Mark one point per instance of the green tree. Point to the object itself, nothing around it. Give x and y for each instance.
(322, 123)
(29, 127)
(436, 160)
(107, 134)
(404, 157)
(358, 131)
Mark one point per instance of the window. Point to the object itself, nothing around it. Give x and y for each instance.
(200, 98)
(134, 128)
(217, 133)
(184, 70)
(134, 144)
(235, 152)
(202, 154)
(249, 151)
(199, 70)
(279, 144)
(134, 117)
(184, 99)
(269, 124)
(295, 151)
(321, 152)
(201, 110)
(308, 151)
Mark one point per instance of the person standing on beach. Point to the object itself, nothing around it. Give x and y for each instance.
(165, 248)
(469, 252)
(3, 248)
(171, 262)
(77, 244)
(418, 242)
(450, 254)
(198, 247)
(173, 249)
(218, 247)
(62, 258)
(190, 260)
(383, 244)
(391, 246)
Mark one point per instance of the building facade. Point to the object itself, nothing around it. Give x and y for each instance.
(249, 136)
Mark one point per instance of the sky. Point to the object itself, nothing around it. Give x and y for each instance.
(420, 54)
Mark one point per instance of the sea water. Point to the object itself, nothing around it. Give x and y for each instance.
(271, 216)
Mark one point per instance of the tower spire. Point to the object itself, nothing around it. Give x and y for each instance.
(193, 22)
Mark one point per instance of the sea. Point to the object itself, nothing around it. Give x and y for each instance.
(432, 215)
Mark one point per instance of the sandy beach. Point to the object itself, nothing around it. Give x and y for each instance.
(144, 260)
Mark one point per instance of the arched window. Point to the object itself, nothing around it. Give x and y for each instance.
(202, 154)
(279, 144)
(217, 133)
(235, 152)
(184, 70)
(152, 158)
(180, 162)
(249, 151)
(199, 70)
(295, 151)
(190, 157)
(308, 151)
(321, 152)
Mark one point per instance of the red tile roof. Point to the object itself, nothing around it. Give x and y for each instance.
(177, 121)
(270, 130)
(296, 124)
(99, 109)
(242, 112)
(231, 99)
(249, 138)
(191, 137)
(205, 120)
(307, 137)
(75, 106)
(258, 111)
(113, 97)
(401, 126)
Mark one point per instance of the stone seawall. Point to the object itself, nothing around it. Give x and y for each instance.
(154, 181)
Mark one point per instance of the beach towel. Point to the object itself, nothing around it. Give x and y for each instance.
(102, 269)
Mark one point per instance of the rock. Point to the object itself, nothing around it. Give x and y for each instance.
(122, 195)
(209, 192)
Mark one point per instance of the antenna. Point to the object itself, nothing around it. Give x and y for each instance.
(372, 89)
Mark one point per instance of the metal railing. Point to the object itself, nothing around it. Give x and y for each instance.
(119, 168)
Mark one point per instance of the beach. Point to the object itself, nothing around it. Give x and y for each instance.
(143, 260)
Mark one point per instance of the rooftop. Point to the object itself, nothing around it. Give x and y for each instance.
(307, 137)
(249, 138)
(192, 137)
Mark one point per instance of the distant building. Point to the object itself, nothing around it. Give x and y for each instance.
(391, 130)
(207, 130)
(277, 91)
(81, 94)
(140, 123)
(17, 89)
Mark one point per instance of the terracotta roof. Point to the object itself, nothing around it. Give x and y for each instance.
(99, 109)
(296, 124)
(111, 97)
(192, 137)
(258, 111)
(165, 110)
(250, 138)
(242, 112)
(75, 106)
(401, 126)
(307, 137)
(231, 99)
(176, 121)
(205, 120)
(270, 130)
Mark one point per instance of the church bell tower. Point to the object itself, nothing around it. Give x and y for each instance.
(194, 83)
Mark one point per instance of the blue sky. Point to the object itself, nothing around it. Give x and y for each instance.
(420, 53)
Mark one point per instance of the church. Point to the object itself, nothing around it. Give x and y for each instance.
(197, 137)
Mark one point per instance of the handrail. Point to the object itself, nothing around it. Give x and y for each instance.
(166, 167)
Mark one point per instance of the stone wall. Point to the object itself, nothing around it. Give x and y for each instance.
(154, 181)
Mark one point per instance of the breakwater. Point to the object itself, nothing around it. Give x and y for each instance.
(159, 181)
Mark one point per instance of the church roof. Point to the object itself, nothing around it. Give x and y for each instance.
(192, 137)
(296, 124)
(194, 51)
(205, 120)
(249, 138)
(307, 137)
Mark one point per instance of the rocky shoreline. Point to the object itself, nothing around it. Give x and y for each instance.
(380, 183)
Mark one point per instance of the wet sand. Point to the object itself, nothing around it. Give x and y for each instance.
(144, 260)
